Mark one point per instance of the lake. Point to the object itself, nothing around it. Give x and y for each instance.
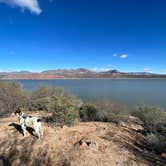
(127, 91)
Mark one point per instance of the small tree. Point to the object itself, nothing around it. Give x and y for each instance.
(64, 110)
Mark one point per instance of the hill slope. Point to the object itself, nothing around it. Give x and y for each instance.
(87, 144)
(76, 73)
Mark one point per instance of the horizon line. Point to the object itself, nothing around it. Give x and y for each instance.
(91, 69)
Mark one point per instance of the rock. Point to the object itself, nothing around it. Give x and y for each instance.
(86, 142)
(123, 124)
(133, 126)
(163, 155)
(136, 127)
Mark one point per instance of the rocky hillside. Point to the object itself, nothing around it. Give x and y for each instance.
(87, 144)
(76, 73)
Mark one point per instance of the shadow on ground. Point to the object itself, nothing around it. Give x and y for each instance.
(4, 161)
(19, 129)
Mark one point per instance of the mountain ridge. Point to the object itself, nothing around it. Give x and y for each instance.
(77, 73)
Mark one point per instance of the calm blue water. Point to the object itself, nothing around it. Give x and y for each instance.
(127, 91)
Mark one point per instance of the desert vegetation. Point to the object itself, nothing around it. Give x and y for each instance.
(154, 123)
(104, 111)
(65, 109)
(12, 96)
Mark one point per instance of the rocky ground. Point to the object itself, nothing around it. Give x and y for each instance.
(87, 144)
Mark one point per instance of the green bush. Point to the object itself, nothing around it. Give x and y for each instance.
(88, 112)
(64, 107)
(64, 110)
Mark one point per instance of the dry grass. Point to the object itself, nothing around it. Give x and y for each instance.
(90, 143)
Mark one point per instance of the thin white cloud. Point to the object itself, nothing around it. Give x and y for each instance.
(101, 69)
(114, 55)
(31, 5)
(148, 70)
(124, 56)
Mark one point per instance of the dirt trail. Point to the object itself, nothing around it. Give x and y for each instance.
(87, 144)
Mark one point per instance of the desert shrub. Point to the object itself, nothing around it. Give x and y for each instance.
(64, 107)
(42, 96)
(111, 112)
(104, 111)
(107, 106)
(154, 119)
(12, 97)
(88, 112)
(156, 143)
(64, 110)
(111, 117)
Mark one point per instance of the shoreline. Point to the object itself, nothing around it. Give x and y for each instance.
(80, 79)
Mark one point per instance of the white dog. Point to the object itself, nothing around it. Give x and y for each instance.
(29, 121)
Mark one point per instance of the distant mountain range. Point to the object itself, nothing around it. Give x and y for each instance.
(76, 73)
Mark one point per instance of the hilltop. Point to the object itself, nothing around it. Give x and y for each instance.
(88, 143)
(76, 73)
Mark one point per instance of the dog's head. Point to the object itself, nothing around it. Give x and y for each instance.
(17, 113)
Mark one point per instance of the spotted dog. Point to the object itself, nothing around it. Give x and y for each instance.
(29, 121)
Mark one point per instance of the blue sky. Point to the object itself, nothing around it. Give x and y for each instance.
(129, 35)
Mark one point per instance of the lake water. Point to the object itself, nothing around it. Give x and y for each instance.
(126, 91)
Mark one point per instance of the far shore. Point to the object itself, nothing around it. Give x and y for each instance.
(13, 79)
